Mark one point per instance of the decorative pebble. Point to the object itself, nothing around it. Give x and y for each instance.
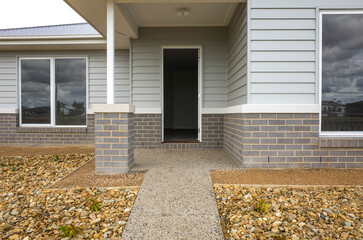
(317, 212)
(28, 210)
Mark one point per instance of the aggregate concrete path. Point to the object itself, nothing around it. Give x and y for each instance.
(176, 199)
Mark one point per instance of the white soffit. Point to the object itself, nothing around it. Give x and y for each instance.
(165, 14)
(94, 12)
(131, 14)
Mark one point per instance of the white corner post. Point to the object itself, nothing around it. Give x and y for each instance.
(110, 52)
(114, 123)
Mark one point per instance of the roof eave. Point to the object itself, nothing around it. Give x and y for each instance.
(51, 37)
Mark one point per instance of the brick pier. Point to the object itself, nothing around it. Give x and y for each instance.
(114, 138)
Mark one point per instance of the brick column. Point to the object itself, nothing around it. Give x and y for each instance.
(114, 138)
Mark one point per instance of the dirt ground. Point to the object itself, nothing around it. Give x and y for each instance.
(31, 151)
(85, 177)
(289, 177)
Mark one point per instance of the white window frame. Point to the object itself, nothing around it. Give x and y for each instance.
(320, 40)
(52, 92)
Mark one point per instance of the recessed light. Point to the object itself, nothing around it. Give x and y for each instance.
(182, 12)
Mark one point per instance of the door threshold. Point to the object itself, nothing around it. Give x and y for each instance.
(182, 141)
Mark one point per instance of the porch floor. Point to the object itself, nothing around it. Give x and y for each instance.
(176, 199)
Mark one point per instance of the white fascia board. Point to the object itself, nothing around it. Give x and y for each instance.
(126, 22)
(179, 1)
(8, 110)
(113, 108)
(93, 36)
(54, 42)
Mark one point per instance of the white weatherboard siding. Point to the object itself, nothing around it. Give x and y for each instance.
(283, 35)
(282, 55)
(96, 75)
(8, 86)
(146, 63)
(237, 58)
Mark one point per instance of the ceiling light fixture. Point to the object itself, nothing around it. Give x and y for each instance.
(182, 12)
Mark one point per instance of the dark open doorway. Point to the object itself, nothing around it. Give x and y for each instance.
(180, 95)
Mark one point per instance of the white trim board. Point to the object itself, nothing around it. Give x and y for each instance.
(8, 110)
(246, 108)
(148, 110)
(113, 108)
(265, 108)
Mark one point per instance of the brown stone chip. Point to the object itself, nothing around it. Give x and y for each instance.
(85, 177)
(32, 151)
(289, 177)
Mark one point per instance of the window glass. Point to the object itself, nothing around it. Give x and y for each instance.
(342, 72)
(35, 91)
(70, 81)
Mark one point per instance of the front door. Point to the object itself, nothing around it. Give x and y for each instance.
(181, 95)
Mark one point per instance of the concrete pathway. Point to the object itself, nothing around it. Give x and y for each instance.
(176, 199)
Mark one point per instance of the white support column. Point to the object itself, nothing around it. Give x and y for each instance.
(110, 52)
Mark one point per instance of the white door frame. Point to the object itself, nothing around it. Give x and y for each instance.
(200, 86)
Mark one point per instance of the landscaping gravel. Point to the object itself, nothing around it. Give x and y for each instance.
(293, 213)
(85, 176)
(289, 177)
(32, 151)
(28, 210)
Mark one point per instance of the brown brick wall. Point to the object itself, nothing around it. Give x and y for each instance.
(114, 137)
(12, 134)
(287, 141)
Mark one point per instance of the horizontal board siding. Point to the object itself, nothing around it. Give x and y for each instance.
(283, 35)
(98, 77)
(97, 74)
(146, 63)
(283, 49)
(8, 83)
(266, 13)
(286, 45)
(285, 77)
(283, 52)
(297, 67)
(237, 57)
(287, 98)
(283, 24)
(305, 56)
(282, 88)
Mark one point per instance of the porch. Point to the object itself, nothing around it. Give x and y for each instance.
(165, 110)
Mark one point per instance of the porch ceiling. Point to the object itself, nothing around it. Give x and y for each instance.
(132, 14)
(166, 14)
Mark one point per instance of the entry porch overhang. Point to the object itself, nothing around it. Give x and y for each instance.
(130, 15)
(119, 21)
